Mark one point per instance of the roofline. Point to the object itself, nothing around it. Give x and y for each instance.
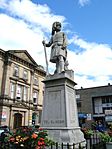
(26, 52)
(1, 50)
(95, 87)
(37, 67)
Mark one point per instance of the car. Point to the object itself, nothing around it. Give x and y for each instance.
(4, 132)
(4, 129)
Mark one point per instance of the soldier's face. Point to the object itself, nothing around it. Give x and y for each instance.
(58, 27)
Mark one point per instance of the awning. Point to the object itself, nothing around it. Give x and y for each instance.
(108, 118)
(82, 115)
(99, 115)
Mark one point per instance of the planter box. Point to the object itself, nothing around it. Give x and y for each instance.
(109, 145)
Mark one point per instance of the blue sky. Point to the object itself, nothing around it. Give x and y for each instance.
(91, 19)
(87, 24)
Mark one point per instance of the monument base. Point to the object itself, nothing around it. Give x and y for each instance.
(59, 115)
(71, 136)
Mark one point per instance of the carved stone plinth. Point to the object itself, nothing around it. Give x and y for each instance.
(59, 114)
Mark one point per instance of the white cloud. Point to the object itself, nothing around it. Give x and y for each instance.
(24, 25)
(84, 2)
(94, 61)
(37, 15)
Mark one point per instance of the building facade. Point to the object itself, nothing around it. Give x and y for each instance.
(96, 103)
(21, 89)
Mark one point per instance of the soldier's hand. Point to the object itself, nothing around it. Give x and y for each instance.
(43, 42)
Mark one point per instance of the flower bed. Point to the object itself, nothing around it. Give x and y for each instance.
(28, 138)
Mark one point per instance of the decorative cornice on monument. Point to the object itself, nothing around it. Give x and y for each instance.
(67, 75)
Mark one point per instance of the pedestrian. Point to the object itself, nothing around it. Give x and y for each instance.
(100, 127)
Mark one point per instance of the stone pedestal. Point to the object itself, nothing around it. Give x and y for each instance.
(59, 115)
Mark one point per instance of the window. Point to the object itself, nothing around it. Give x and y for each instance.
(79, 104)
(25, 94)
(19, 92)
(35, 96)
(25, 74)
(35, 81)
(107, 99)
(97, 105)
(77, 96)
(103, 100)
(40, 116)
(16, 71)
(34, 118)
(12, 90)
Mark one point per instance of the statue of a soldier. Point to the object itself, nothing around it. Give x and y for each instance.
(58, 43)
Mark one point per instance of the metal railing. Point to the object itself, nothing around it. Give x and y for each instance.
(94, 142)
(67, 146)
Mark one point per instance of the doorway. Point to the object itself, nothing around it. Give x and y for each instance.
(17, 120)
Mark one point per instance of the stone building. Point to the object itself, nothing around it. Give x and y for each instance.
(21, 89)
(95, 103)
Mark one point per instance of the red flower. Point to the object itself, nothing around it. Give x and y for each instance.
(34, 135)
(41, 143)
(24, 130)
(41, 139)
(40, 129)
(110, 133)
(38, 147)
(12, 139)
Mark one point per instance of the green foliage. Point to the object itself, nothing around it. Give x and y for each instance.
(87, 132)
(105, 137)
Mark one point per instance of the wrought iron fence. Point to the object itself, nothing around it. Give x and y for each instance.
(67, 146)
(95, 142)
(92, 142)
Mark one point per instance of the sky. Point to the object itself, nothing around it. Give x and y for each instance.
(87, 24)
